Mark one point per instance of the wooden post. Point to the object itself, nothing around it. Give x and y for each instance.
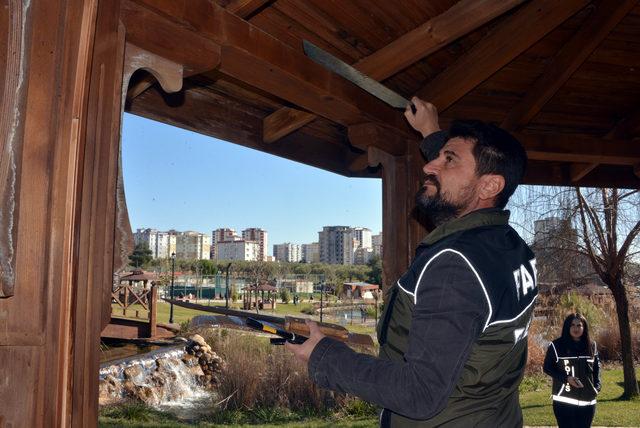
(153, 310)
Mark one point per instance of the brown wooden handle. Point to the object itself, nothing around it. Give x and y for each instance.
(299, 326)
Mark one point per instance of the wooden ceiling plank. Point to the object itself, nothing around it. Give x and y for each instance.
(579, 149)
(246, 8)
(497, 49)
(260, 60)
(571, 56)
(463, 18)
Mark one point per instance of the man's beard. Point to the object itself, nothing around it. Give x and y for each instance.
(436, 207)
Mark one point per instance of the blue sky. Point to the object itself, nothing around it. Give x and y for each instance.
(186, 181)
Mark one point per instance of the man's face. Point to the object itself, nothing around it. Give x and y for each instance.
(450, 186)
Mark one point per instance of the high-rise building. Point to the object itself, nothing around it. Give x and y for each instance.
(338, 244)
(221, 235)
(362, 255)
(193, 245)
(287, 252)
(161, 244)
(333, 242)
(238, 250)
(311, 252)
(376, 244)
(260, 236)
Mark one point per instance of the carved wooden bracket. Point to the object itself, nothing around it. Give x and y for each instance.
(13, 65)
(170, 75)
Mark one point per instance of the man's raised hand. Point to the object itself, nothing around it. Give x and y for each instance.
(425, 119)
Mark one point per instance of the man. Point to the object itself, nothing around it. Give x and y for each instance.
(453, 334)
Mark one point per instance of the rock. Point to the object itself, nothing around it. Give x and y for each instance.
(196, 371)
(189, 360)
(198, 339)
(134, 373)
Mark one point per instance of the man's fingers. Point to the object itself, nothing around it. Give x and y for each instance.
(313, 327)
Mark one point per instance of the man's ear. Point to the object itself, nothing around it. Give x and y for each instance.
(490, 186)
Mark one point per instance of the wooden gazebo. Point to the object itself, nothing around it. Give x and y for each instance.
(564, 76)
(254, 295)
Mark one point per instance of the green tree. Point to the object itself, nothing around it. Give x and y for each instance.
(375, 270)
(285, 296)
(141, 255)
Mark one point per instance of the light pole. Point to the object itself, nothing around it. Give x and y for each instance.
(226, 291)
(173, 271)
(321, 297)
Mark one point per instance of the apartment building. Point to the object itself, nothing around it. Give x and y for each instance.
(311, 252)
(193, 245)
(161, 244)
(238, 250)
(376, 244)
(287, 252)
(260, 236)
(222, 235)
(338, 244)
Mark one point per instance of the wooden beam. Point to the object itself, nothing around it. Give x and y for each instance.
(283, 122)
(200, 110)
(247, 8)
(258, 59)
(463, 18)
(156, 33)
(558, 174)
(578, 171)
(596, 27)
(365, 135)
(577, 149)
(629, 127)
(528, 25)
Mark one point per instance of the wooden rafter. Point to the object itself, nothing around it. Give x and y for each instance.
(246, 8)
(596, 27)
(528, 25)
(464, 17)
(627, 128)
(576, 149)
(256, 58)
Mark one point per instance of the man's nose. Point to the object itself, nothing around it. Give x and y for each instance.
(431, 167)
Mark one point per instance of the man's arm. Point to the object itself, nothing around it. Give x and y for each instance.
(450, 313)
(425, 118)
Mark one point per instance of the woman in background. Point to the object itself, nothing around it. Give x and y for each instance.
(572, 361)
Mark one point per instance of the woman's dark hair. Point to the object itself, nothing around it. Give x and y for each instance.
(585, 339)
(496, 152)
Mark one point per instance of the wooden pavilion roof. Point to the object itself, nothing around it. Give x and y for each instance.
(564, 76)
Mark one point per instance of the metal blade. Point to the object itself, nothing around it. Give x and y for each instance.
(373, 87)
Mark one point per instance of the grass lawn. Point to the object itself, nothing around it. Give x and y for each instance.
(535, 399)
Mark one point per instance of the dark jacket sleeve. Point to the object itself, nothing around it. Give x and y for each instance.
(433, 143)
(550, 366)
(596, 369)
(450, 313)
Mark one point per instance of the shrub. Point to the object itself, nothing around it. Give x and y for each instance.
(573, 302)
(285, 296)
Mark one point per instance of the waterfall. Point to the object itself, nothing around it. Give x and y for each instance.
(168, 379)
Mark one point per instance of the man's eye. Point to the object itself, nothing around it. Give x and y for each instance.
(448, 158)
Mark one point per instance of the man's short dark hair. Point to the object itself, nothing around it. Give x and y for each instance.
(496, 152)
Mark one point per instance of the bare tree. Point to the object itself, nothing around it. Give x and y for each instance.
(607, 223)
(609, 226)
